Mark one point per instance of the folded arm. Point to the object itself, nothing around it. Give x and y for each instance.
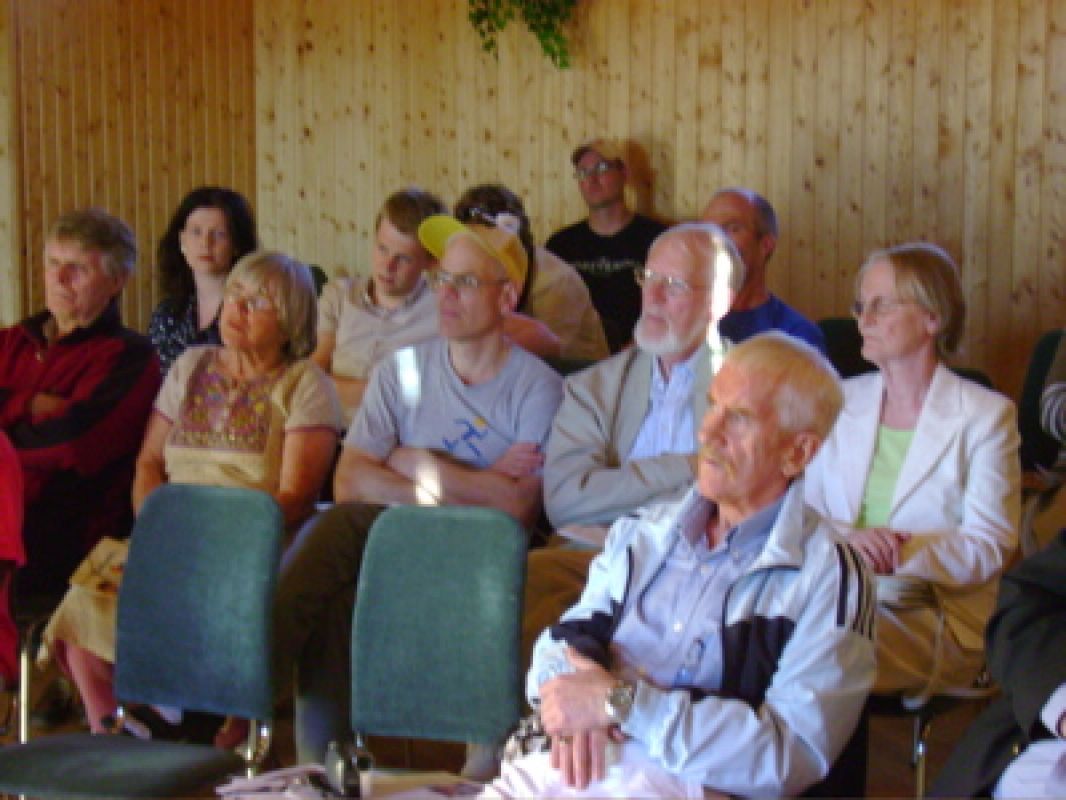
(587, 480)
(456, 483)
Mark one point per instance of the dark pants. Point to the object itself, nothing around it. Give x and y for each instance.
(313, 623)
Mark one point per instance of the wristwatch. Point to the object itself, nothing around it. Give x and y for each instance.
(619, 701)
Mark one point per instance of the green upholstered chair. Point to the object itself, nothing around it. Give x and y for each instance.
(194, 632)
(435, 631)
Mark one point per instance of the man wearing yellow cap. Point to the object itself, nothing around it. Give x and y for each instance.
(611, 244)
(460, 419)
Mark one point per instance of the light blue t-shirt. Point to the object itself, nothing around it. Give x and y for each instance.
(416, 399)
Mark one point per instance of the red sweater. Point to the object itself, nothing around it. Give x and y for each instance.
(77, 464)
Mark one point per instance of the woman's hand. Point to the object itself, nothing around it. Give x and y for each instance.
(879, 547)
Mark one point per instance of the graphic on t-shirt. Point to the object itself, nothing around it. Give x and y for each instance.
(464, 446)
(607, 266)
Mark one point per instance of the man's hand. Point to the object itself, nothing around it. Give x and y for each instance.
(879, 548)
(47, 405)
(520, 460)
(576, 701)
(582, 757)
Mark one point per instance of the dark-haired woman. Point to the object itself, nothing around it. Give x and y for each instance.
(210, 231)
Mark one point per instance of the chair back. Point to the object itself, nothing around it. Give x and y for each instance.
(568, 366)
(194, 611)
(1037, 449)
(977, 376)
(843, 345)
(435, 631)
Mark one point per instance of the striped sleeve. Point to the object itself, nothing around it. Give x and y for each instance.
(856, 599)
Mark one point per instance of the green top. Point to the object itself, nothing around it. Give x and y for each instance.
(892, 446)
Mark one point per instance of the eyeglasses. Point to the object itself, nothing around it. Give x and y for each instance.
(256, 302)
(599, 169)
(877, 307)
(463, 282)
(674, 287)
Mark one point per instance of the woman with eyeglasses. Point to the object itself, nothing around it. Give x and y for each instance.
(252, 413)
(553, 297)
(210, 231)
(921, 473)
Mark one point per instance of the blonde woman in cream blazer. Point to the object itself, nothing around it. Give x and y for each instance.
(950, 521)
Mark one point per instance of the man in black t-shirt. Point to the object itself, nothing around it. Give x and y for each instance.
(611, 243)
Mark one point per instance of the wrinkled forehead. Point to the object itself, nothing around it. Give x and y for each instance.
(262, 277)
(684, 255)
(743, 384)
(68, 249)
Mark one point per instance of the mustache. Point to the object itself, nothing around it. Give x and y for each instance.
(711, 453)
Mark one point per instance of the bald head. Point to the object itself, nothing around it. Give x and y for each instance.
(750, 222)
(805, 386)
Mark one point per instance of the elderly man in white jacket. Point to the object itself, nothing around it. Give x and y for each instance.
(724, 642)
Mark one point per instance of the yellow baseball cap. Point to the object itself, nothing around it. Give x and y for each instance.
(501, 244)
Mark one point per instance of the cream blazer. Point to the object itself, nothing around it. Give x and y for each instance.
(958, 493)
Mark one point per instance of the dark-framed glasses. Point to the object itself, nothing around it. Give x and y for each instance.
(877, 307)
(598, 169)
(462, 282)
(249, 302)
(673, 286)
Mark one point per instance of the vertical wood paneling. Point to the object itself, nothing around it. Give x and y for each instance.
(1004, 75)
(926, 119)
(900, 175)
(756, 111)
(126, 106)
(976, 260)
(1053, 206)
(826, 172)
(800, 227)
(1028, 168)
(690, 116)
(10, 275)
(709, 100)
(733, 83)
(851, 158)
(865, 123)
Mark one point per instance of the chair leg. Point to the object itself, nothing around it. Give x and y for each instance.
(923, 724)
(25, 673)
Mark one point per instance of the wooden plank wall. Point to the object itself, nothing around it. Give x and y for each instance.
(10, 272)
(865, 123)
(127, 105)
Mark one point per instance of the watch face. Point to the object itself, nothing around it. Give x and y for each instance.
(620, 701)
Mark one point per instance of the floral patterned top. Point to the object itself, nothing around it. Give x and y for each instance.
(172, 331)
(230, 432)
